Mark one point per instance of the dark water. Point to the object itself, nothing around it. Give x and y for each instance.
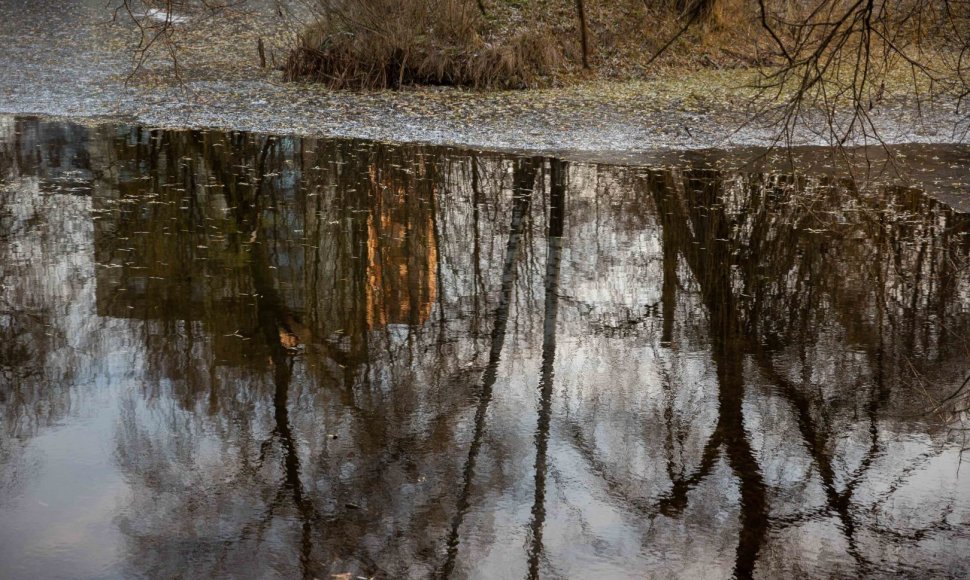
(231, 355)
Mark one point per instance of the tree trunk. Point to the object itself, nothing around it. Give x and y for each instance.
(583, 33)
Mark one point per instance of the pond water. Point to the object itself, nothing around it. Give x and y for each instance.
(235, 355)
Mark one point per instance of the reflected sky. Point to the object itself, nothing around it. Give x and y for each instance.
(227, 354)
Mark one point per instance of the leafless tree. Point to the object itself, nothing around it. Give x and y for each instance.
(836, 57)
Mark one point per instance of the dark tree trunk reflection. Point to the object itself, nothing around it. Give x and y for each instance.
(523, 185)
(699, 233)
(554, 235)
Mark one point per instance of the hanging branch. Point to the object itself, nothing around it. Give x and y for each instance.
(158, 23)
(837, 58)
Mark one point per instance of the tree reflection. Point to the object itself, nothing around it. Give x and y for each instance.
(40, 269)
(728, 246)
(554, 234)
(524, 183)
(407, 361)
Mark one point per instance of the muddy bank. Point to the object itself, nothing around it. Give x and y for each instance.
(69, 60)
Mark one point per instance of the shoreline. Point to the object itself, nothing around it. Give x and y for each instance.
(584, 120)
(67, 61)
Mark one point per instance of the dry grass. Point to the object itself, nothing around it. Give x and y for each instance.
(474, 43)
(391, 43)
(513, 43)
(536, 43)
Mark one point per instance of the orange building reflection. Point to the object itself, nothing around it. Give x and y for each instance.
(402, 256)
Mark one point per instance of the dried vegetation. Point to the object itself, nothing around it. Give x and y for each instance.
(819, 67)
(390, 43)
(505, 43)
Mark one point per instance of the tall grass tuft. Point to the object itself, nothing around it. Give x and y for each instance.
(392, 43)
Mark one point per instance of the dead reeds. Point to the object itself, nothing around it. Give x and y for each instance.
(392, 43)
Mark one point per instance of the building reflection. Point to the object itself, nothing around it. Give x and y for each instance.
(175, 244)
(401, 256)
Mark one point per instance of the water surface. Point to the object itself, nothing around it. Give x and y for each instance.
(238, 355)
